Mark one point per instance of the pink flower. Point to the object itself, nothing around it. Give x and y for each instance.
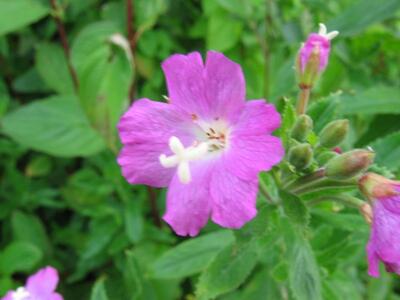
(384, 242)
(207, 144)
(40, 286)
(318, 44)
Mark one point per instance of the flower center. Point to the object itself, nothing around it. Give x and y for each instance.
(212, 138)
(21, 293)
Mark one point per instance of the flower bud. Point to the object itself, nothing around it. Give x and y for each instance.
(302, 128)
(375, 186)
(334, 133)
(349, 164)
(301, 156)
(313, 56)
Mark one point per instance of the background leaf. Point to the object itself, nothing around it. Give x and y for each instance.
(55, 125)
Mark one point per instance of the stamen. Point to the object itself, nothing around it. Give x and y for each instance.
(20, 294)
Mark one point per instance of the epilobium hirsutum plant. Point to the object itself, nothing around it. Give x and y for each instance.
(212, 149)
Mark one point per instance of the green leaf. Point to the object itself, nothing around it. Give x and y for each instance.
(227, 271)
(133, 276)
(4, 98)
(55, 125)
(147, 13)
(29, 228)
(133, 220)
(99, 291)
(190, 257)
(19, 257)
(376, 100)
(16, 14)
(388, 151)
(362, 14)
(295, 209)
(303, 271)
(223, 31)
(105, 73)
(52, 67)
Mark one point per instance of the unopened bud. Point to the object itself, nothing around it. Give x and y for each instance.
(302, 128)
(375, 186)
(313, 56)
(366, 212)
(301, 156)
(334, 133)
(349, 164)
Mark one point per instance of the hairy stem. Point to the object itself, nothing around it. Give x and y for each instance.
(304, 96)
(64, 43)
(345, 199)
(306, 180)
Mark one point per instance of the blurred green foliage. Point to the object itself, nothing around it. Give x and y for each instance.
(64, 202)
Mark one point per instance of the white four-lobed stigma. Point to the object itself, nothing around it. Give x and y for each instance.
(182, 156)
(21, 294)
(323, 31)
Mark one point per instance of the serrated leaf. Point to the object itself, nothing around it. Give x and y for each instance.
(16, 14)
(190, 257)
(52, 67)
(288, 120)
(227, 271)
(19, 257)
(376, 100)
(295, 209)
(388, 151)
(55, 125)
(304, 276)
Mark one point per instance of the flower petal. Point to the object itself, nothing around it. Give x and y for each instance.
(43, 283)
(233, 199)
(186, 85)
(8, 296)
(373, 261)
(56, 296)
(188, 205)
(257, 117)
(225, 86)
(392, 204)
(140, 164)
(250, 154)
(152, 121)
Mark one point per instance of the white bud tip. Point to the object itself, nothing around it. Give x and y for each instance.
(324, 32)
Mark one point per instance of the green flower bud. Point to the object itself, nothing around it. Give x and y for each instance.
(334, 133)
(302, 128)
(301, 156)
(349, 164)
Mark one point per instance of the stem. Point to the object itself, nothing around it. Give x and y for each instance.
(304, 96)
(154, 207)
(64, 43)
(130, 20)
(306, 180)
